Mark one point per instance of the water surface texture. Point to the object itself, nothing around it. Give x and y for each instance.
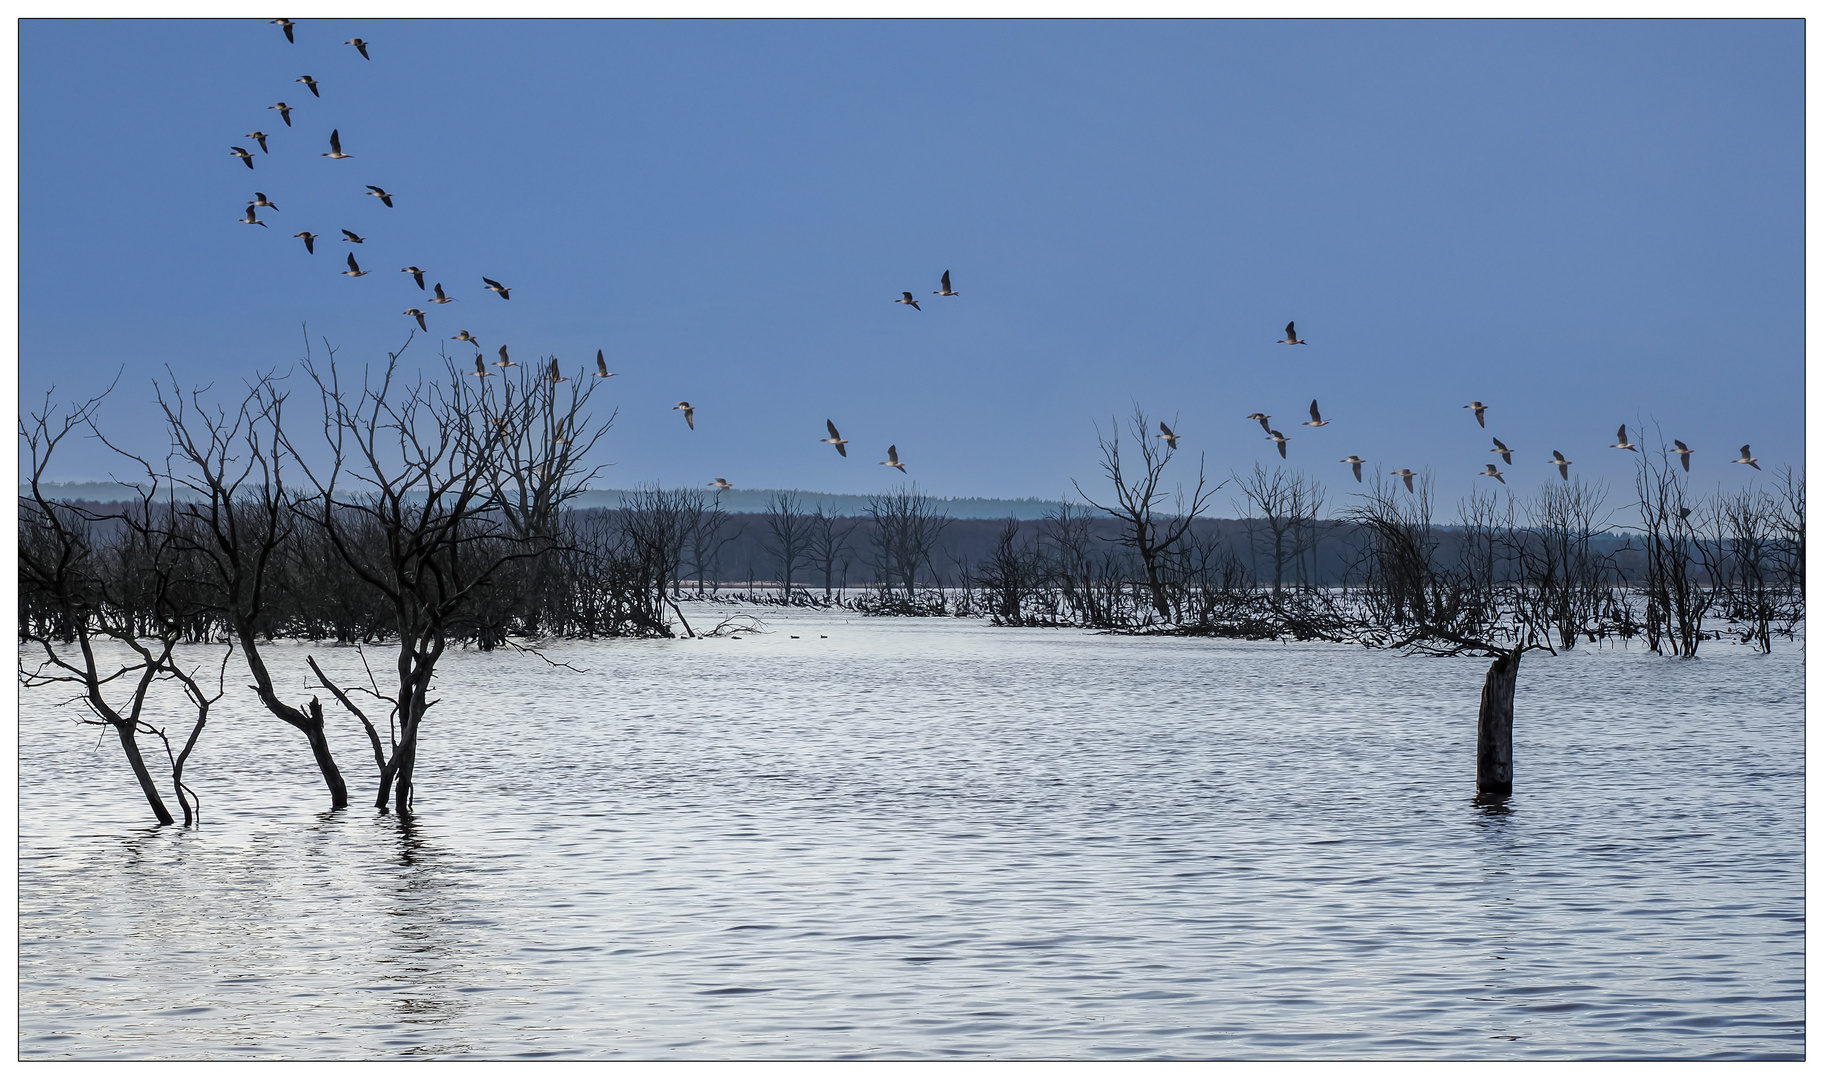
(939, 839)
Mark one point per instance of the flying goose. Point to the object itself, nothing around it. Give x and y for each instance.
(558, 438)
(601, 367)
(416, 314)
(1480, 409)
(1291, 337)
(496, 287)
(385, 197)
(1684, 454)
(892, 459)
(335, 145)
(246, 158)
(1166, 433)
(417, 275)
(1746, 459)
(464, 335)
(1406, 475)
(504, 362)
(354, 268)
(259, 137)
(688, 413)
(351, 238)
(480, 372)
(360, 46)
(1316, 420)
(1278, 438)
(1355, 463)
(1490, 471)
(1621, 440)
(310, 240)
(285, 25)
(906, 298)
(309, 83)
(1263, 418)
(945, 290)
(1500, 447)
(835, 438)
(250, 219)
(259, 199)
(719, 484)
(556, 376)
(439, 298)
(1562, 462)
(284, 112)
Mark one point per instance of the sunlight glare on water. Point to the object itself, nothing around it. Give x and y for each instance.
(931, 838)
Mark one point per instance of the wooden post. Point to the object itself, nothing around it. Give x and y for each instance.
(1495, 728)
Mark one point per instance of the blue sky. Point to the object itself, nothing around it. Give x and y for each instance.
(1578, 223)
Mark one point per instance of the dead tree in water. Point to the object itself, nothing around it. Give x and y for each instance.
(790, 529)
(1286, 504)
(92, 583)
(1676, 600)
(829, 545)
(403, 489)
(242, 518)
(1478, 604)
(905, 531)
(657, 524)
(1138, 501)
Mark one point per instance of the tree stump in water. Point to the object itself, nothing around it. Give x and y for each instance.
(1495, 728)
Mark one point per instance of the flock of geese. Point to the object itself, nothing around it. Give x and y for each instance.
(1499, 448)
(349, 236)
(835, 439)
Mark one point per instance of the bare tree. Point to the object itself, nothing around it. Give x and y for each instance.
(791, 530)
(92, 585)
(1138, 502)
(404, 493)
(828, 546)
(238, 523)
(905, 531)
(1676, 600)
(1286, 504)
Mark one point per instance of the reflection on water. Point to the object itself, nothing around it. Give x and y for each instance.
(935, 839)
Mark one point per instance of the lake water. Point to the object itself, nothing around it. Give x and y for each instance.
(939, 839)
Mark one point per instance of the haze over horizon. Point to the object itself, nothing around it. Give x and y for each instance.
(1579, 223)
